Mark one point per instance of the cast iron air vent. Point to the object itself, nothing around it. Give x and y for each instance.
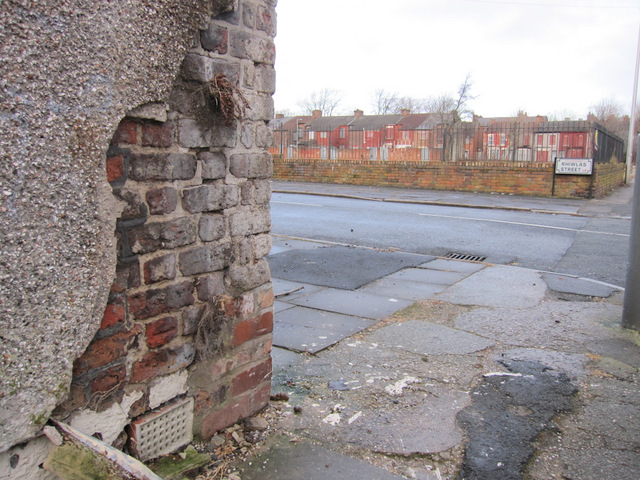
(465, 257)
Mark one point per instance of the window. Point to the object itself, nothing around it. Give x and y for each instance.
(312, 135)
(540, 140)
(503, 140)
(343, 132)
(323, 134)
(490, 139)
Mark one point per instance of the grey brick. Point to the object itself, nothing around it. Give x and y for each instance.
(215, 39)
(262, 191)
(266, 20)
(194, 134)
(261, 107)
(257, 48)
(163, 166)
(214, 165)
(251, 165)
(249, 14)
(264, 136)
(265, 79)
(250, 222)
(248, 134)
(162, 200)
(212, 227)
(242, 278)
(160, 269)
(205, 259)
(210, 286)
(191, 319)
(209, 198)
(162, 235)
(261, 245)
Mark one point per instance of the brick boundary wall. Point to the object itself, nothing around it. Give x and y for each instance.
(519, 178)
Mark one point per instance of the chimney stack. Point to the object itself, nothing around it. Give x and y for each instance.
(358, 113)
(405, 112)
(279, 115)
(316, 113)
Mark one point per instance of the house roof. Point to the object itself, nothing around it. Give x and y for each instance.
(289, 123)
(321, 124)
(374, 122)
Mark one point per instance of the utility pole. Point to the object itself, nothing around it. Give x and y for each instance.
(631, 308)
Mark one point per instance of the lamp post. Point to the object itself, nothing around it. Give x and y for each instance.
(631, 307)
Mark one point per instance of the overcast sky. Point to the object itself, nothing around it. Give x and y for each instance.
(547, 57)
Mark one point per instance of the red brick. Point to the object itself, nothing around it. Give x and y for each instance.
(239, 307)
(229, 414)
(114, 313)
(264, 324)
(109, 379)
(153, 302)
(251, 378)
(244, 331)
(162, 362)
(266, 298)
(160, 269)
(126, 134)
(103, 351)
(155, 134)
(159, 332)
(115, 168)
(260, 397)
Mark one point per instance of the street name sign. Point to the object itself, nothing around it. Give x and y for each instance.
(574, 166)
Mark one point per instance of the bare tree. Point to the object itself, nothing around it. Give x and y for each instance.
(384, 102)
(606, 109)
(451, 111)
(326, 100)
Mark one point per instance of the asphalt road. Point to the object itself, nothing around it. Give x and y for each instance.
(590, 247)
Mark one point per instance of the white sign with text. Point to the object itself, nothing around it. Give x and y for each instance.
(574, 166)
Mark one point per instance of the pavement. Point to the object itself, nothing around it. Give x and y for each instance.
(389, 365)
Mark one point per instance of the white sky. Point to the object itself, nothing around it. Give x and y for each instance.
(542, 56)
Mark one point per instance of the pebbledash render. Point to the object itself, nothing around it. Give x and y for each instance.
(136, 222)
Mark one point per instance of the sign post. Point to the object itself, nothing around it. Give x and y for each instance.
(572, 166)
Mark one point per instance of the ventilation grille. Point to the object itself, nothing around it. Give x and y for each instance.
(465, 257)
(164, 431)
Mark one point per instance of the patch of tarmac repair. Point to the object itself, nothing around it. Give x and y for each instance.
(509, 410)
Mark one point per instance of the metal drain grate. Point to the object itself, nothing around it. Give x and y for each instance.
(164, 431)
(465, 257)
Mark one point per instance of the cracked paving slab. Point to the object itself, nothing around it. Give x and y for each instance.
(486, 288)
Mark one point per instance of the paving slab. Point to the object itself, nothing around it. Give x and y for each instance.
(429, 339)
(577, 286)
(405, 289)
(340, 267)
(498, 286)
(309, 330)
(285, 290)
(303, 339)
(453, 266)
(281, 307)
(282, 358)
(431, 277)
(352, 303)
(564, 326)
(284, 460)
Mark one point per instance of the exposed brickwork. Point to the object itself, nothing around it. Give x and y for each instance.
(191, 277)
(520, 178)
